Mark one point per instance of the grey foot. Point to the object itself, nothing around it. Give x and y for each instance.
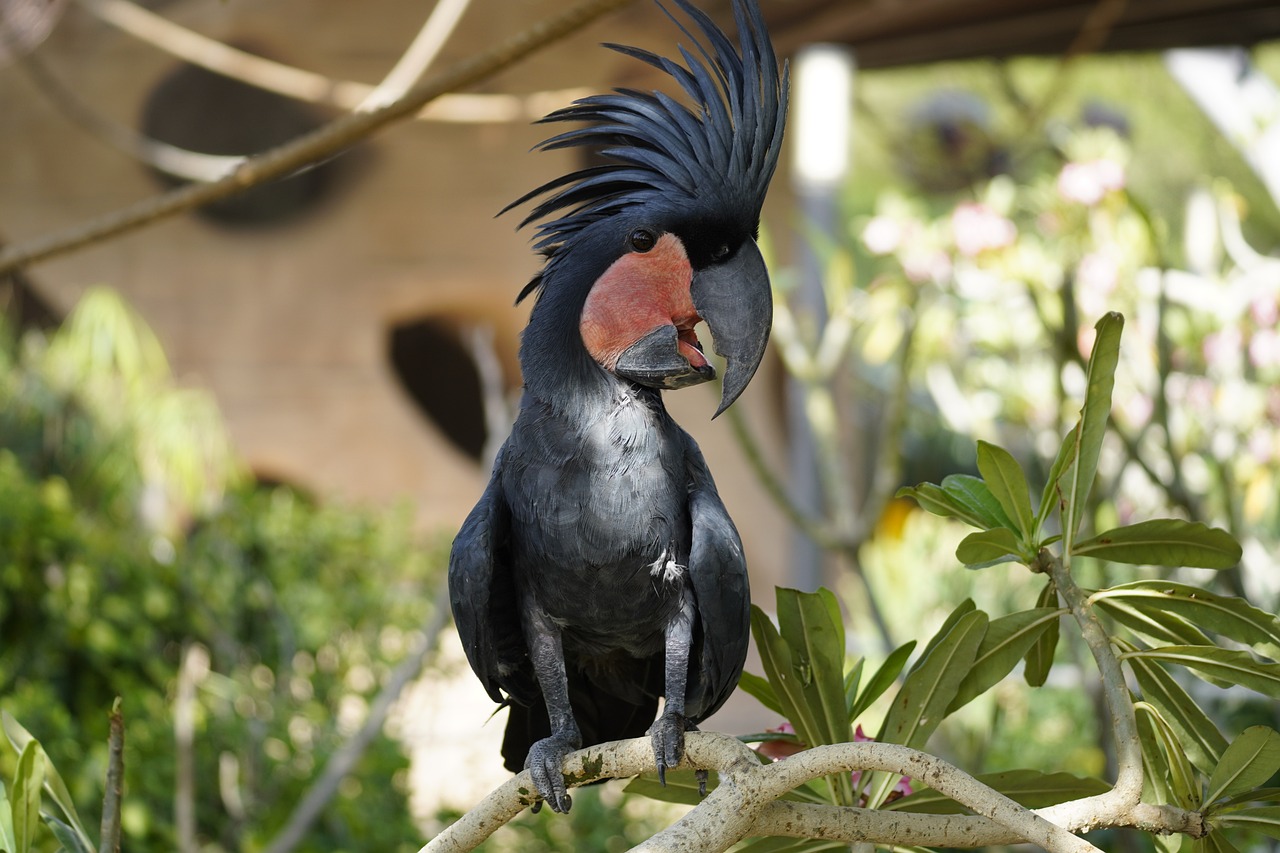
(667, 736)
(546, 758)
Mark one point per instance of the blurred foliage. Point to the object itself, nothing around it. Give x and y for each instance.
(138, 560)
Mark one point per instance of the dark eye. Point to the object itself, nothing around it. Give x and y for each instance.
(642, 240)
(719, 253)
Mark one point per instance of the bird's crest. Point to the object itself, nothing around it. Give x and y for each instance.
(710, 159)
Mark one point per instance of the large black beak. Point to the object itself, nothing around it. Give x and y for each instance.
(735, 300)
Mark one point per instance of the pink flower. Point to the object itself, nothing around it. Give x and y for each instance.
(780, 749)
(1088, 182)
(977, 228)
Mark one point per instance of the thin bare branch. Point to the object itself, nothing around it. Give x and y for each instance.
(303, 85)
(324, 142)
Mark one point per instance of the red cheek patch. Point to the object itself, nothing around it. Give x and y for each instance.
(637, 294)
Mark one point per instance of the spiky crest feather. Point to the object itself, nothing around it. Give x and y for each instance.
(711, 160)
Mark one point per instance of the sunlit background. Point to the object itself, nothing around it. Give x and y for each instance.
(235, 444)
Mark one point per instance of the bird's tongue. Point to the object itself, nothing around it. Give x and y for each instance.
(689, 346)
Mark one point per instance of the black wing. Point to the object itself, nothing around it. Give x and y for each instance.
(718, 570)
(483, 598)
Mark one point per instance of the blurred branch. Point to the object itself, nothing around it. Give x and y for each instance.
(344, 760)
(194, 658)
(302, 85)
(324, 142)
(746, 802)
(109, 838)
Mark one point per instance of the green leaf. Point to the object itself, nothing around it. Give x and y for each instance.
(28, 779)
(1223, 614)
(1265, 820)
(1080, 474)
(7, 842)
(681, 787)
(67, 836)
(1006, 641)
(976, 498)
(1198, 734)
(53, 784)
(1164, 542)
(1051, 496)
(1159, 627)
(1155, 765)
(1250, 760)
(1220, 666)
(852, 681)
(1029, 788)
(776, 657)
(811, 623)
(779, 844)
(1006, 482)
(963, 609)
(933, 499)
(929, 689)
(883, 678)
(762, 690)
(1214, 842)
(1039, 658)
(1239, 801)
(984, 548)
(1181, 777)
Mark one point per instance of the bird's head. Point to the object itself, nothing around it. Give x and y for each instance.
(662, 234)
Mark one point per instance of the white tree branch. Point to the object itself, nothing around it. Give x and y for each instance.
(746, 802)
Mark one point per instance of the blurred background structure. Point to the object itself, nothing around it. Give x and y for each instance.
(289, 366)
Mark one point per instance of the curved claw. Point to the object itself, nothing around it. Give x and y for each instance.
(545, 763)
(667, 736)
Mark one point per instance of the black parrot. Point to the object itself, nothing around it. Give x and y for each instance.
(600, 569)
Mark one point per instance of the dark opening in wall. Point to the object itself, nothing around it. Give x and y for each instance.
(434, 364)
(198, 110)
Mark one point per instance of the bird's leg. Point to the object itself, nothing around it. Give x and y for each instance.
(546, 757)
(667, 732)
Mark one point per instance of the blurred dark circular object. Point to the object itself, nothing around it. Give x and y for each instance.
(197, 110)
(1100, 114)
(949, 143)
(24, 24)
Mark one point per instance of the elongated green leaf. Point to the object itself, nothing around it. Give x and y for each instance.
(681, 787)
(1239, 801)
(1181, 778)
(1004, 478)
(1006, 641)
(810, 623)
(1155, 765)
(1198, 734)
(1165, 542)
(1265, 820)
(776, 658)
(929, 689)
(1214, 842)
(762, 690)
(28, 779)
(67, 836)
(1220, 666)
(1030, 788)
(974, 495)
(53, 784)
(1223, 614)
(852, 681)
(1051, 496)
(984, 548)
(1079, 476)
(963, 609)
(1157, 626)
(7, 842)
(1039, 658)
(1251, 759)
(932, 498)
(883, 678)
